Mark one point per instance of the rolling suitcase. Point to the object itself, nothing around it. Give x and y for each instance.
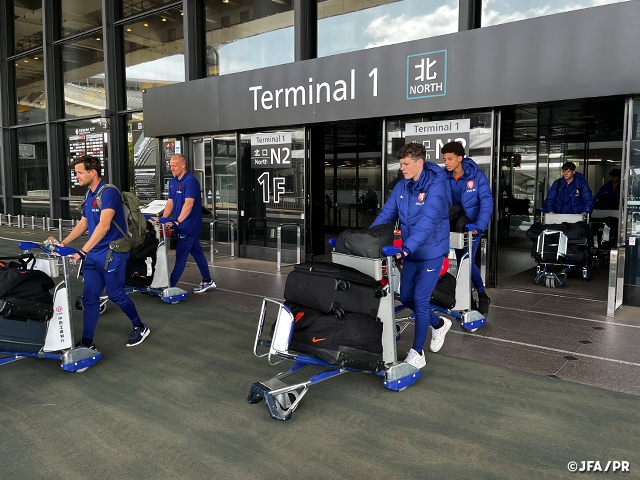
(332, 288)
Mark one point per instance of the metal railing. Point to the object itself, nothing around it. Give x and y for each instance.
(47, 224)
(213, 232)
(616, 280)
(279, 243)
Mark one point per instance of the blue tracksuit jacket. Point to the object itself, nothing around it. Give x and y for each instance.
(575, 198)
(473, 193)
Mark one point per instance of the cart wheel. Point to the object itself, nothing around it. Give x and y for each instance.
(550, 282)
(103, 308)
(284, 401)
(173, 303)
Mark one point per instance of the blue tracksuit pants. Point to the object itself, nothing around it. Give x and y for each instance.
(476, 277)
(96, 278)
(189, 244)
(417, 283)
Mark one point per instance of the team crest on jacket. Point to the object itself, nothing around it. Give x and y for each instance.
(421, 197)
(470, 184)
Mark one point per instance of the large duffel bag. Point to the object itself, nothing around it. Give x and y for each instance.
(444, 295)
(25, 292)
(22, 335)
(353, 340)
(138, 274)
(365, 243)
(333, 288)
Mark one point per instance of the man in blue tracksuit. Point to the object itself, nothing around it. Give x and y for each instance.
(470, 190)
(569, 194)
(421, 201)
(608, 197)
(185, 207)
(102, 266)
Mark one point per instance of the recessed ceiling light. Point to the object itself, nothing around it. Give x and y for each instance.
(26, 61)
(146, 24)
(164, 19)
(35, 58)
(225, 1)
(128, 29)
(98, 38)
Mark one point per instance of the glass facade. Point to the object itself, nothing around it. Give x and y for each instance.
(632, 266)
(136, 7)
(27, 25)
(30, 95)
(33, 170)
(154, 54)
(495, 12)
(346, 26)
(248, 35)
(80, 16)
(84, 87)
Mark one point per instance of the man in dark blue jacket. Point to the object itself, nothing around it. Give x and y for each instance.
(570, 194)
(608, 197)
(420, 200)
(470, 190)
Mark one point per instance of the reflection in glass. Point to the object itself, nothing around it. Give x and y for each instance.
(632, 262)
(495, 12)
(30, 88)
(80, 16)
(28, 25)
(154, 54)
(134, 7)
(248, 35)
(345, 26)
(85, 137)
(33, 170)
(143, 159)
(84, 90)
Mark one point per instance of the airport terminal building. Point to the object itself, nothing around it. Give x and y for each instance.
(290, 112)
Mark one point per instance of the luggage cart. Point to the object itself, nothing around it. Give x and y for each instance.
(160, 284)
(58, 342)
(464, 309)
(556, 256)
(282, 398)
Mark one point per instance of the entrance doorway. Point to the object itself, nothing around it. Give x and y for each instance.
(351, 182)
(536, 140)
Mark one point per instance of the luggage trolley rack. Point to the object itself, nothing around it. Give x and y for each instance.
(58, 341)
(552, 249)
(281, 398)
(160, 284)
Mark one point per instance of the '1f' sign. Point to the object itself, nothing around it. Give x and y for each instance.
(278, 187)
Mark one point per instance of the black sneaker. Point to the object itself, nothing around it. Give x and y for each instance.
(91, 347)
(138, 334)
(483, 304)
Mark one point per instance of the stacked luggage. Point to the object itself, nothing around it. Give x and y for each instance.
(142, 260)
(26, 304)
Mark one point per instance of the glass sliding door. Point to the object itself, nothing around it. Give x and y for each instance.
(223, 192)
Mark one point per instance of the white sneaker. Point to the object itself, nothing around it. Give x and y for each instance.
(416, 359)
(437, 335)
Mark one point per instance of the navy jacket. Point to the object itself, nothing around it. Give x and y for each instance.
(473, 193)
(423, 209)
(575, 198)
(607, 190)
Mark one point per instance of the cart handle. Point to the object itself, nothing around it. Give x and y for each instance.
(391, 251)
(332, 242)
(164, 220)
(64, 251)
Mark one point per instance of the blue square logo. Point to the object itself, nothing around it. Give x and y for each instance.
(427, 75)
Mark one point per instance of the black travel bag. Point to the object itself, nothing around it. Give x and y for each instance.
(25, 292)
(22, 335)
(444, 295)
(137, 274)
(353, 340)
(333, 288)
(365, 243)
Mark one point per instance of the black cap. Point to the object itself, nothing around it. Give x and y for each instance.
(615, 173)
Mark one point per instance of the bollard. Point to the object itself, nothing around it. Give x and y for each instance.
(279, 248)
(48, 224)
(59, 229)
(211, 238)
(44, 227)
(233, 239)
(33, 222)
(9, 219)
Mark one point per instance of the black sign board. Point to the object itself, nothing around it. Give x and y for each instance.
(433, 135)
(271, 150)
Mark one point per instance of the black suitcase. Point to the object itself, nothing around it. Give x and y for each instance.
(353, 340)
(365, 243)
(22, 335)
(329, 287)
(444, 295)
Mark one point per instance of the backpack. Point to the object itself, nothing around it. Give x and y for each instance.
(134, 218)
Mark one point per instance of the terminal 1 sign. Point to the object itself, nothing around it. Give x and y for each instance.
(433, 135)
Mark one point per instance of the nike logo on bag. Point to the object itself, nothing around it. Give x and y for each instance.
(316, 340)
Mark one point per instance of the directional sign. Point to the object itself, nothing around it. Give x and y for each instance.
(271, 150)
(433, 135)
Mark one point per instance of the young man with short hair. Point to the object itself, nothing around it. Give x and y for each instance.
(102, 266)
(569, 194)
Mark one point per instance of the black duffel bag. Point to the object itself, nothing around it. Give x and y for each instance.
(444, 295)
(25, 292)
(365, 243)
